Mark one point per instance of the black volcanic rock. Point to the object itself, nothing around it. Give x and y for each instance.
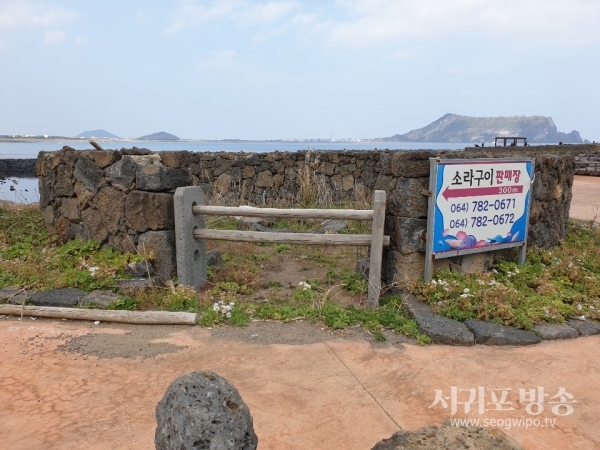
(17, 168)
(202, 410)
(455, 128)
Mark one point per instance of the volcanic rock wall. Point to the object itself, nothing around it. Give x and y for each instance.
(125, 198)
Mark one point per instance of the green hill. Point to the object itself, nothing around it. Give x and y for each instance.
(97, 134)
(160, 136)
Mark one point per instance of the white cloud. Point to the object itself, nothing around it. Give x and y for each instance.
(217, 60)
(241, 12)
(23, 13)
(305, 18)
(267, 12)
(81, 40)
(402, 55)
(54, 36)
(269, 34)
(532, 22)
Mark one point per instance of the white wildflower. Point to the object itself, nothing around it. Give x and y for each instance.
(223, 308)
(93, 270)
(466, 290)
(305, 286)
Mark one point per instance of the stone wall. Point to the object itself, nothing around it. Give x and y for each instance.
(125, 198)
(588, 163)
(22, 168)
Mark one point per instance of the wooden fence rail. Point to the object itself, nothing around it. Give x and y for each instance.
(191, 234)
(137, 317)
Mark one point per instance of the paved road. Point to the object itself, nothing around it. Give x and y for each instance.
(336, 394)
(586, 198)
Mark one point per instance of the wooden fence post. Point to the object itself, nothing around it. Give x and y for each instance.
(379, 200)
(191, 252)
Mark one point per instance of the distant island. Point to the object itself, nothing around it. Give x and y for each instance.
(451, 128)
(455, 128)
(97, 134)
(160, 136)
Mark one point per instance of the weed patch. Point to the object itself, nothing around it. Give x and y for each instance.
(304, 307)
(553, 285)
(31, 258)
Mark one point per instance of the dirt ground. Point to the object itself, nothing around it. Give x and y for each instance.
(586, 198)
(75, 385)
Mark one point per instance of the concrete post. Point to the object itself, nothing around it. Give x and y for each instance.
(191, 252)
(376, 253)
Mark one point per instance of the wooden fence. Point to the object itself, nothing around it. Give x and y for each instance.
(190, 233)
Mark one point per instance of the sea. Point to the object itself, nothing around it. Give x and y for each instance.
(25, 190)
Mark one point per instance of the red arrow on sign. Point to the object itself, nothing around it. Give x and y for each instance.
(481, 191)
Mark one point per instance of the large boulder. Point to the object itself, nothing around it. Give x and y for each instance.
(203, 411)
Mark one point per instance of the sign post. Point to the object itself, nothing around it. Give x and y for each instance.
(477, 205)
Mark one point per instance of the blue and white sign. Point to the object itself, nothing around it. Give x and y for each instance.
(478, 205)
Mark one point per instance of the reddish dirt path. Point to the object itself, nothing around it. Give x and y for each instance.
(586, 198)
(334, 394)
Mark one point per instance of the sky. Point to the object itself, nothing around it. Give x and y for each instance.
(237, 69)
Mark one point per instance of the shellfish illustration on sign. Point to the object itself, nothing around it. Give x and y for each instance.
(463, 240)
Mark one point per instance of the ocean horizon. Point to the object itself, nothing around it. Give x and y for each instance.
(19, 150)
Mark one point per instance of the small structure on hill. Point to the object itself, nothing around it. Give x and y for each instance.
(514, 143)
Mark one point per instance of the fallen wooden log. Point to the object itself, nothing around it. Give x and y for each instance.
(136, 317)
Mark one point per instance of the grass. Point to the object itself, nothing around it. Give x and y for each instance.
(305, 306)
(251, 283)
(331, 293)
(31, 258)
(552, 286)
